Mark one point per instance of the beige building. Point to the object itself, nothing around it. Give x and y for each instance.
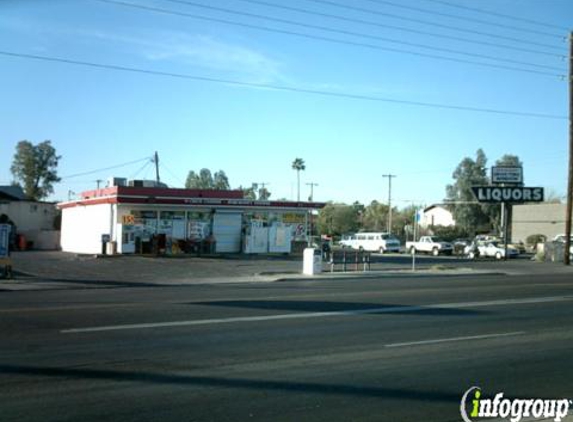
(34, 220)
(543, 218)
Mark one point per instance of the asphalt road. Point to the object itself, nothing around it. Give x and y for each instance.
(388, 349)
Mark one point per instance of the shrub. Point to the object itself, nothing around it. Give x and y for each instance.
(534, 239)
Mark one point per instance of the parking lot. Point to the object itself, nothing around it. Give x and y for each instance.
(59, 269)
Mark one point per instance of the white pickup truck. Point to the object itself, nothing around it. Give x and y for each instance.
(430, 244)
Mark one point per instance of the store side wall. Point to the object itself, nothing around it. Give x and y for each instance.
(83, 226)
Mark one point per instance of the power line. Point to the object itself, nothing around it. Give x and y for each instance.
(280, 87)
(145, 166)
(400, 28)
(338, 41)
(430, 23)
(362, 35)
(103, 169)
(501, 15)
(176, 178)
(464, 18)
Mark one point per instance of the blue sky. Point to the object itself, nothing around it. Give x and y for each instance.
(97, 118)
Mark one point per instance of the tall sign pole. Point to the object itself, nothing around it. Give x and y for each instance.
(566, 258)
(311, 198)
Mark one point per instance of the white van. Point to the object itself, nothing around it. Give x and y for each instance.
(376, 242)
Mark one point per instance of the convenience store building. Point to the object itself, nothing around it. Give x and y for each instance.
(136, 219)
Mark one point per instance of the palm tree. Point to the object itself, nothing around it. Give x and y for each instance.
(298, 165)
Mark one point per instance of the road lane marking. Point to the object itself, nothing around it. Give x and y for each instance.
(64, 308)
(453, 339)
(308, 315)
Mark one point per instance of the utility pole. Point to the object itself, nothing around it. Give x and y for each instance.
(389, 176)
(98, 181)
(156, 161)
(262, 189)
(312, 185)
(566, 258)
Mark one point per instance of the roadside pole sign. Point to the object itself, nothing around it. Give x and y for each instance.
(507, 175)
(513, 194)
(4, 240)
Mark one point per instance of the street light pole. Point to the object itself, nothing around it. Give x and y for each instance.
(312, 185)
(389, 176)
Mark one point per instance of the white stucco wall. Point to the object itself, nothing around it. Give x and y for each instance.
(82, 227)
(437, 216)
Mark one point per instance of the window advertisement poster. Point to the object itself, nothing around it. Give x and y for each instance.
(198, 225)
(172, 223)
(145, 224)
(297, 224)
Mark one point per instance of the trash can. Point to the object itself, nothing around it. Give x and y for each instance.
(105, 238)
(22, 242)
(111, 248)
(312, 261)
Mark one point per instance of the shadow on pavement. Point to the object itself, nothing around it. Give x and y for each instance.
(323, 306)
(81, 281)
(249, 384)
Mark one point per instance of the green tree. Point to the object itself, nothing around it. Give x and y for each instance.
(264, 194)
(375, 217)
(403, 222)
(337, 219)
(359, 210)
(221, 181)
(35, 168)
(298, 165)
(470, 217)
(249, 193)
(509, 160)
(205, 180)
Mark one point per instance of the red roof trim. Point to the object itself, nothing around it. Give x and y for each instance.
(198, 202)
(190, 197)
(168, 192)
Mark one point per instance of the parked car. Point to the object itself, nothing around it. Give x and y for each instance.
(518, 246)
(460, 245)
(347, 241)
(489, 249)
(430, 244)
(561, 238)
(376, 242)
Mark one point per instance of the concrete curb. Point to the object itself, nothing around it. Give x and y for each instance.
(388, 274)
(29, 284)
